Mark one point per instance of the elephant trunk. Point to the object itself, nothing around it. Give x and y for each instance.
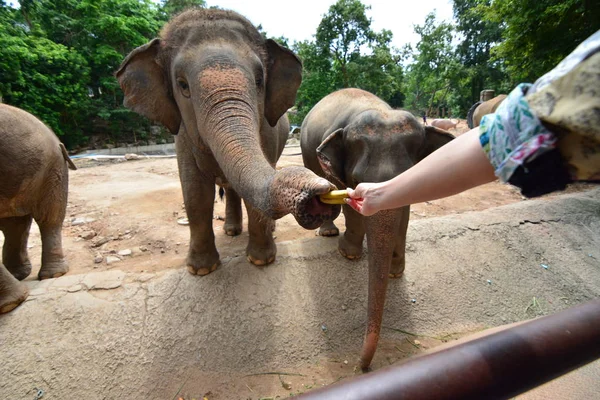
(232, 128)
(380, 229)
(232, 122)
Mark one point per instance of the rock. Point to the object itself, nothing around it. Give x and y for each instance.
(103, 280)
(98, 259)
(112, 260)
(143, 248)
(87, 235)
(126, 252)
(81, 221)
(132, 156)
(75, 288)
(100, 241)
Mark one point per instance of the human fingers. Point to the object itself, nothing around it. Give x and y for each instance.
(356, 204)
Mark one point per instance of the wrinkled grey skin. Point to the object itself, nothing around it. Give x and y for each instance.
(34, 184)
(352, 136)
(214, 81)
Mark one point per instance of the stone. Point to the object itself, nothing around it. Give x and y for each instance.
(100, 241)
(103, 280)
(81, 221)
(132, 156)
(87, 235)
(75, 288)
(112, 260)
(126, 252)
(98, 259)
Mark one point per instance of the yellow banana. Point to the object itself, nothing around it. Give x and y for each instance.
(334, 197)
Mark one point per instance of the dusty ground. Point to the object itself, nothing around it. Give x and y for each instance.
(135, 206)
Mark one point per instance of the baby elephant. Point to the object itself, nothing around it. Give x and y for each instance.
(445, 124)
(352, 136)
(34, 184)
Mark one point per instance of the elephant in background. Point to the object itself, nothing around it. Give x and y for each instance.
(445, 124)
(352, 136)
(479, 109)
(223, 90)
(35, 180)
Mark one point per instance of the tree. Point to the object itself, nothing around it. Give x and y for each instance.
(435, 68)
(538, 34)
(477, 36)
(60, 57)
(347, 53)
(342, 32)
(42, 77)
(317, 79)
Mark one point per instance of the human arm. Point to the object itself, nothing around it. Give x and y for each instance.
(453, 168)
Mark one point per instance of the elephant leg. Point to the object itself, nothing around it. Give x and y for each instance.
(398, 256)
(12, 292)
(198, 196)
(328, 229)
(261, 248)
(233, 213)
(350, 245)
(14, 252)
(53, 259)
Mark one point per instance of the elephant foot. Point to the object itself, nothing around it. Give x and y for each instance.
(329, 229)
(258, 262)
(20, 271)
(232, 229)
(348, 250)
(53, 270)
(397, 268)
(203, 271)
(12, 295)
(202, 263)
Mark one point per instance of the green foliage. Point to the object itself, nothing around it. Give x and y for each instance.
(479, 71)
(433, 73)
(348, 53)
(538, 34)
(42, 77)
(172, 7)
(58, 58)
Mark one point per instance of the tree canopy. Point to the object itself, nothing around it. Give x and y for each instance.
(58, 57)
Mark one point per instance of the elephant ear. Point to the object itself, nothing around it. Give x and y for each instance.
(146, 86)
(331, 156)
(284, 76)
(434, 139)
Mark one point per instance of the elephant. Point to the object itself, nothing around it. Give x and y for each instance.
(223, 90)
(34, 165)
(352, 136)
(445, 124)
(479, 109)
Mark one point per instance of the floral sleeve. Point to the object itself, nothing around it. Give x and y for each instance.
(546, 135)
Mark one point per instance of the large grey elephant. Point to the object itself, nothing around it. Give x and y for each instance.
(34, 184)
(352, 136)
(217, 84)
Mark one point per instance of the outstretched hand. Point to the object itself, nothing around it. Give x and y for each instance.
(365, 199)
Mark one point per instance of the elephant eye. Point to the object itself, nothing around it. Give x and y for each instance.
(183, 85)
(259, 81)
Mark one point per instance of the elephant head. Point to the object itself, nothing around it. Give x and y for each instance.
(376, 147)
(213, 77)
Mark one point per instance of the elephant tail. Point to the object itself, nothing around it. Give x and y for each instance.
(63, 149)
(470, 114)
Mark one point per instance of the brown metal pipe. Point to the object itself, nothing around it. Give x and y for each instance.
(498, 366)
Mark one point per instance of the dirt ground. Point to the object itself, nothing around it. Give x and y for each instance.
(123, 216)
